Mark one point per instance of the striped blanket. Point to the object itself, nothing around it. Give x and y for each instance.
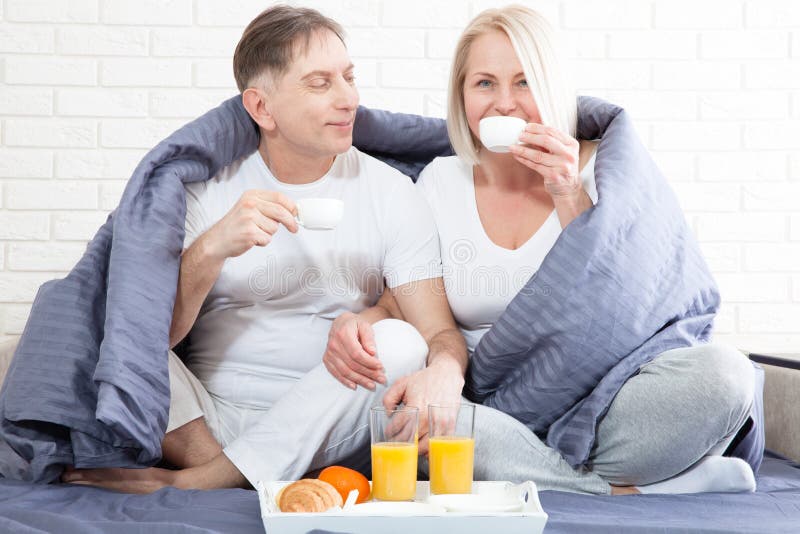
(88, 385)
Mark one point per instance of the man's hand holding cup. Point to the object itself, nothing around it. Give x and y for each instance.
(252, 221)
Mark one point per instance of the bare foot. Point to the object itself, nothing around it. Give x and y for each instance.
(624, 490)
(123, 480)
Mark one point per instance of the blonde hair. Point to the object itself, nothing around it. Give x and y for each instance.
(535, 44)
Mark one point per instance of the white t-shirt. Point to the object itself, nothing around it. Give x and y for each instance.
(481, 278)
(266, 320)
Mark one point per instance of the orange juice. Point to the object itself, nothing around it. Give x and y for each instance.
(394, 471)
(451, 460)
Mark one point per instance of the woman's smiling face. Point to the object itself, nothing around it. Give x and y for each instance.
(495, 83)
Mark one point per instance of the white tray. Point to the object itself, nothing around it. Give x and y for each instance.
(530, 520)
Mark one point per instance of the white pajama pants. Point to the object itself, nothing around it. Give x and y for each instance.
(317, 423)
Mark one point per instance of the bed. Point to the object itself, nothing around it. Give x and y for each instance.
(773, 508)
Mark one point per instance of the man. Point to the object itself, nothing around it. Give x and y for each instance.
(259, 293)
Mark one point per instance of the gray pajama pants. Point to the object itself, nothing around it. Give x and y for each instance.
(683, 405)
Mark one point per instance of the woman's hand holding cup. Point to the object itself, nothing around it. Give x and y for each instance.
(554, 155)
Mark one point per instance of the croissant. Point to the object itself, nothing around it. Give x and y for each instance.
(308, 495)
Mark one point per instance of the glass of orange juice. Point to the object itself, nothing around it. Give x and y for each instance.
(394, 453)
(451, 451)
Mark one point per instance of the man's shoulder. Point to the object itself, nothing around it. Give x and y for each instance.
(223, 178)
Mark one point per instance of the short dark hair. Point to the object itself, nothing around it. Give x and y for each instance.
(270, 41)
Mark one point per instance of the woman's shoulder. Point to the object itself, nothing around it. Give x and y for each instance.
(442, 179)
(447, 162)
(444, 172)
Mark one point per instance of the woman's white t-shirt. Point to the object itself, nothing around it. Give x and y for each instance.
(481, 278)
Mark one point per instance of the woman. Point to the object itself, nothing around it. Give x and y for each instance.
(670, 422)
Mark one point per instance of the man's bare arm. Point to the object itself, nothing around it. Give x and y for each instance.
(425, 306)
(199, 270)
(249, 223)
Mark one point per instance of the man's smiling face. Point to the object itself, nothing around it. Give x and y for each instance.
(314, 102)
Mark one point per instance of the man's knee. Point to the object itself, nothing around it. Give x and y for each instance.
(400, 347)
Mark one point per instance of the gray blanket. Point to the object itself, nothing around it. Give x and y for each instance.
(624, 282)
(88, 385)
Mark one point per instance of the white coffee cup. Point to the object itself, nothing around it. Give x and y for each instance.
(500, 132)
(319, 213)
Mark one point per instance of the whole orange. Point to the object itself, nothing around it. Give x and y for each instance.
(346, 480)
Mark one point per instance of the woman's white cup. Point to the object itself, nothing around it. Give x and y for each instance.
(319, 213)
(500, 132)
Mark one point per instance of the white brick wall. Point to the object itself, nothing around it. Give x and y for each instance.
(35, 100)
(702, 15)
(24, 225)
(51, 11)
(50, 71)
(148, 12)
(146, 72)
(43, 256)
(88, 86)
(25, 163)
(794, 231)
(100, 40)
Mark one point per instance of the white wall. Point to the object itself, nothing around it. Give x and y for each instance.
(87, 86)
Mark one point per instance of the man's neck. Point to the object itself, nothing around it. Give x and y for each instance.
(291, 167)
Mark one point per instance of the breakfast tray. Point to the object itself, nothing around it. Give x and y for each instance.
(529, 520)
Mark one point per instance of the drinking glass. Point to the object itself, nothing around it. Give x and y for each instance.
(394, 453)
(451, 450)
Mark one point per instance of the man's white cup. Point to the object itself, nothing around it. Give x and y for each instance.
(319, 213)
(500, 132)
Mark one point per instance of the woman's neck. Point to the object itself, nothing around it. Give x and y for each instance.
(503, 172)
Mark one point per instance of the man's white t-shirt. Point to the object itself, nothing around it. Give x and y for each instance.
(481, 278)
(266, 320)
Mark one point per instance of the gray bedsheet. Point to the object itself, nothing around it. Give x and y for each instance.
(32, 508)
